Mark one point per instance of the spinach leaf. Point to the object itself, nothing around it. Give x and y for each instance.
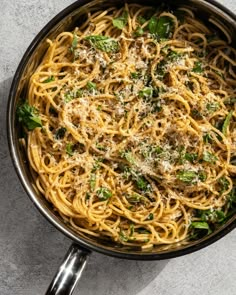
(142, 184)
(135, 198)
(103, 43)
(147, 92)
(74, 43)
(197, 67)
(141, 20)
(104, 193)
(161, 27)
(212, 107)
(191, 157)
(121, 21)
(187, 176)
(224, 183)
(28, 116)
(209, 157)
(138, 32)
(201, 225)
(227, 122)
(69, 149)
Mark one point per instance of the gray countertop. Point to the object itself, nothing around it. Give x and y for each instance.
(31, 249)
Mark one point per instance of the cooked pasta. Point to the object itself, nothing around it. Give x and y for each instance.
(131, 126)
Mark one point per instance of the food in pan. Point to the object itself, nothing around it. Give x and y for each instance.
(130, 126)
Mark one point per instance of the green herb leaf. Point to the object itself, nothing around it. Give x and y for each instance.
(28, 116)
(135, 198)
(87, 196)
(212, 107)
(191, 157)
(197, 67)
(224, 183)
(202, 176)
(227, 122)
(69, 149)
(207, 138)
(201, 225)
(150, 216)
(74, 43)
(104, 193)
(161, 27)
(141, 20)
(101, 147)
(49, 79)
(92, 181)
(103, 43)
(128, 156)
(121, 21)
(138, 32)
(131, 229)
(146, 92)
(232, 197)
(91, 85)
(68, 96)
(123, 237)
(134, 75)
(60, 133)
(187, 176)
(209, 157)
(142, 184)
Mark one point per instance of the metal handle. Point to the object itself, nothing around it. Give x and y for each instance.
(69, 272)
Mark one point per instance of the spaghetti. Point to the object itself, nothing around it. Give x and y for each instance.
(137, 116)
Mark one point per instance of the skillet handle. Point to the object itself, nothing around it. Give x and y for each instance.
(69, 272)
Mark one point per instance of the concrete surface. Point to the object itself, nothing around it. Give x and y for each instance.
(31, 249)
